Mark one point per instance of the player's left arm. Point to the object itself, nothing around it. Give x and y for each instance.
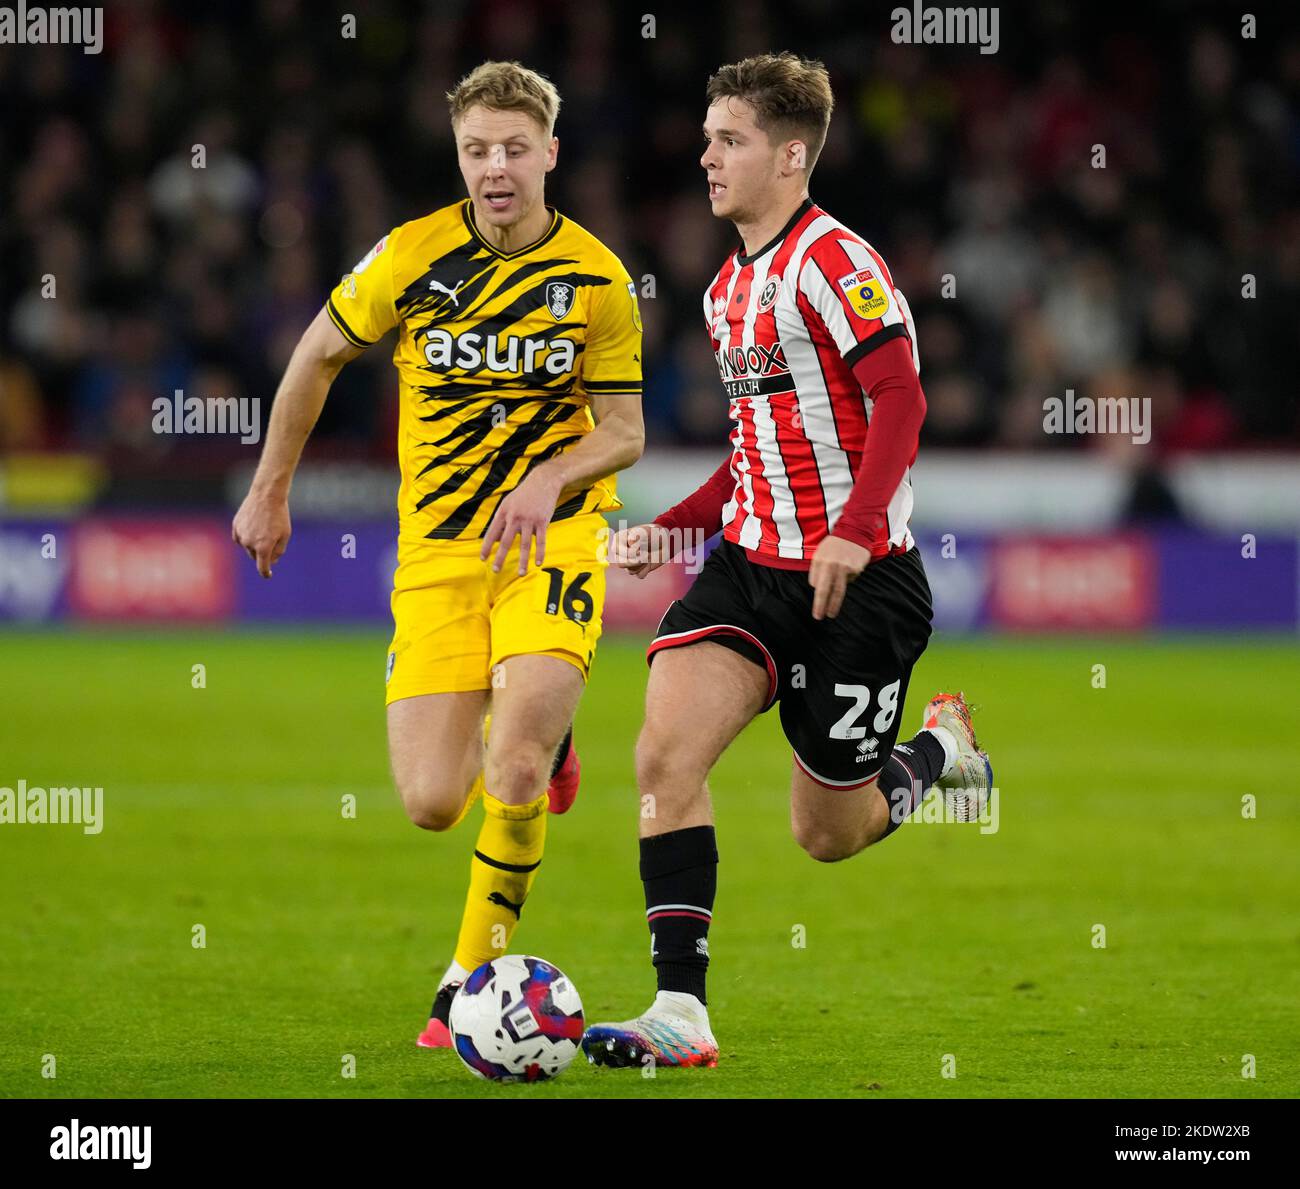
(611, 377)
(872, 327)
(890, 379)
(615, 443)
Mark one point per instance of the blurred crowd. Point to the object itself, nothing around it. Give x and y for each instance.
(1171, 270)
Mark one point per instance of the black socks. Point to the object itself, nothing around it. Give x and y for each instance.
(680, 873)
(680, 870)
(910, 770)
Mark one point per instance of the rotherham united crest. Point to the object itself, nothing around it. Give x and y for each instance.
(559, 298)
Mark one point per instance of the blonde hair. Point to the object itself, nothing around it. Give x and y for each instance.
(791, 96)
(506, 86)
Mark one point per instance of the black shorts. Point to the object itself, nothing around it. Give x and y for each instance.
(841, 682)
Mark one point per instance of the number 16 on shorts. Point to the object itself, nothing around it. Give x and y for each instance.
(565, 595)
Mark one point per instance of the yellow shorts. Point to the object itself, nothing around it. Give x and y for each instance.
(456, 619)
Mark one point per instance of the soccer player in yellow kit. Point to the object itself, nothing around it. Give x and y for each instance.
(519, 353)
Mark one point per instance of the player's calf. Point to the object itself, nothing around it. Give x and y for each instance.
(835, 824)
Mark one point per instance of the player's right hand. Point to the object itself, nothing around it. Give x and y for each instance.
(641, 549)
(263, 528)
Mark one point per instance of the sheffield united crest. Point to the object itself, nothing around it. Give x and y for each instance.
(559, 298)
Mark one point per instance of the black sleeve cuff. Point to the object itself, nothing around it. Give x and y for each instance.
(871, 342)
(355, 339)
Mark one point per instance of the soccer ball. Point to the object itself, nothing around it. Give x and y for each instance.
(516, 1019)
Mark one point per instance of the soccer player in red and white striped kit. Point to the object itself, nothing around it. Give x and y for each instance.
(816, 598)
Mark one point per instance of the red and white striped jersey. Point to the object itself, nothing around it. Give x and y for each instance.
(787, 324)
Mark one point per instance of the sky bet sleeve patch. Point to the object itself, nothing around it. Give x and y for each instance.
(866, 293)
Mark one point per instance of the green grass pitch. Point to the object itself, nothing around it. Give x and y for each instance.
(1120, 807)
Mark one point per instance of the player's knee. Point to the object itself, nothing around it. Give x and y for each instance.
(826, 847)
(517, 773)
(663, 767)
(432, 816)
(829, 850)
(431, 804)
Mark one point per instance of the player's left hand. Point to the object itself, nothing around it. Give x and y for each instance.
(836, 562)
(524, 513)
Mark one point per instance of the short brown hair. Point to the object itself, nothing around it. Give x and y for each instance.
(791, 96)
(506, 86)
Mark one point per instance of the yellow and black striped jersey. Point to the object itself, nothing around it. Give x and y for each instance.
(497, 353)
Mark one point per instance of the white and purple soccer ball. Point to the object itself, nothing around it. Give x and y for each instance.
(516, 1019)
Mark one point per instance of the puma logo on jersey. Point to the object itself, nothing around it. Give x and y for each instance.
(439, 287)
(498, 898)
(472, 351)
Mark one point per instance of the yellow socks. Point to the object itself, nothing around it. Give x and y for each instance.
(501, 873)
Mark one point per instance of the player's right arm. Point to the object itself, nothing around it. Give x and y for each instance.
(262, 524)
(360, 311)
(643, 548)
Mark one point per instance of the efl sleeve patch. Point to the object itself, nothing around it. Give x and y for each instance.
(611, 356)
(636, 310)
(866, 293)
(365, 261)
(361, 304)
